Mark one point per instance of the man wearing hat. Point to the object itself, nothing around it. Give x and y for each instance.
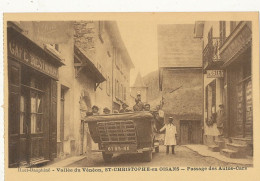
(147, 107)
(139, 106)
(95, 110)
(124, 106)
(170, 135)
(106, 110)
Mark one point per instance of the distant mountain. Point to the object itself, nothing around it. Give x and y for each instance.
(151, 80)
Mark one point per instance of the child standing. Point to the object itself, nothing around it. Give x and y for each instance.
(170, 135)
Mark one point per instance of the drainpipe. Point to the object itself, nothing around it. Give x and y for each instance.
(112, 82)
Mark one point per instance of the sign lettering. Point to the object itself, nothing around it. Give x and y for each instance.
(26, 56)
(215, 73)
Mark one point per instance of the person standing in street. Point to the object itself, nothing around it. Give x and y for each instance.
(220, 119)
(170, 135)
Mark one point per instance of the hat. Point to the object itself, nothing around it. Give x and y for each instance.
(124, 104)
(106, 109)
(171, 118)
(128, 110)
(95, 107)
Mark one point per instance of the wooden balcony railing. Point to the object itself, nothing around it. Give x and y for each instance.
(211, 56)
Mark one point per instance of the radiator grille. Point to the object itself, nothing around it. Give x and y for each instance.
(117, 131)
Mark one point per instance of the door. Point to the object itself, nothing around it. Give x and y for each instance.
(195, 132)
(184, 133)
(190, 132)
(14, 77)
(248, 110)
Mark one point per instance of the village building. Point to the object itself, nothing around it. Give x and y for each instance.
(180, 80)
(33, 72)
(54, 81)
(228, 84)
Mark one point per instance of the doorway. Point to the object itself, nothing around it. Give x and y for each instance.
(190, 132)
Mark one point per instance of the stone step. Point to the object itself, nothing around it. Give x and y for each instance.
(219, 138)
(228, 153)
(236, 147)
(213, 148)
(242, 141)
(220, 144)
(232, 154)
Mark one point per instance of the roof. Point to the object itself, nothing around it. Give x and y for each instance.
(123, 116)
(139, 81)
(177, 46)
(117, 41)
(90, 68)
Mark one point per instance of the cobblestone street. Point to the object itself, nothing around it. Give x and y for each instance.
(183, 157)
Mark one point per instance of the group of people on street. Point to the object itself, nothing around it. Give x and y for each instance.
(160, 127)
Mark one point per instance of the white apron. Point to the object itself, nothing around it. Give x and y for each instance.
(170, 132)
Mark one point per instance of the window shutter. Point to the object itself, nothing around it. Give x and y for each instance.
(53, 120)
(14, 76)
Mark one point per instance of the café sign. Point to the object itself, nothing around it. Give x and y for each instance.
(215, 73)
(25, 55)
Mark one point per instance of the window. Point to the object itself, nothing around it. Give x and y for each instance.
(211, 99)
(222, 31)
(36, 112)
(23, 110)
(31, 105)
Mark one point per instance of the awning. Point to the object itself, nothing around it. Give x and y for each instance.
(83, 63)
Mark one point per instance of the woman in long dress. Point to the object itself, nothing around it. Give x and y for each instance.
(170, 135)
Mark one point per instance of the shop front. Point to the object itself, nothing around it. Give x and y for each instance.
(236, 54)
(32, 95)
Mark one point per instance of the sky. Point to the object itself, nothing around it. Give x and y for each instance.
(140, 38)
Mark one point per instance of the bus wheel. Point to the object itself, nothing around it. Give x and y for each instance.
(107, 157)
(148, 156)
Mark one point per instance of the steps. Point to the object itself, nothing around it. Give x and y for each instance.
(213, 148)
(232, 147)
(236, 147)
(220, 144)
(229, 153)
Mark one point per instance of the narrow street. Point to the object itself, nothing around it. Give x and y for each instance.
(183, 157)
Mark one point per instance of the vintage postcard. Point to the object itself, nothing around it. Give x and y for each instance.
(131, 95)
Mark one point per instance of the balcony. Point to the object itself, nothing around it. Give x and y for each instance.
(211, 57)
(236, 43)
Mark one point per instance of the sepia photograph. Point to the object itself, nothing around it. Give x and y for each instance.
(153, 94)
